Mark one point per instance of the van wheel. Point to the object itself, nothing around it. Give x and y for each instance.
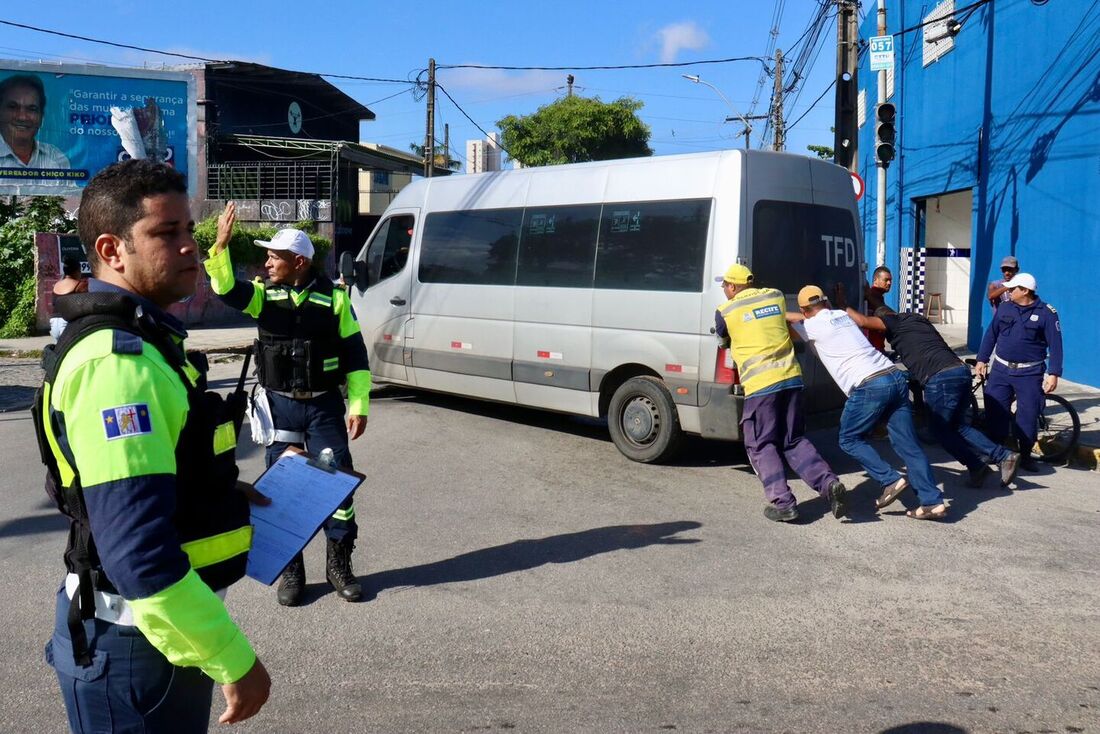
(643, 420)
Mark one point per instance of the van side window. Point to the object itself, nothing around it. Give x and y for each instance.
(473, 247)
(653, 246)
(558, 246)
(798, 244)
(389, 251)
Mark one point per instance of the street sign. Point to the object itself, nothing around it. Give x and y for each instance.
(882, 53)
(858, 185)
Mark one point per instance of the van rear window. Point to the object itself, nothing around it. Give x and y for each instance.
(653, 245)
(802, 244)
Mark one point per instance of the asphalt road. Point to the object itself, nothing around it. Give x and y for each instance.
(524, 576)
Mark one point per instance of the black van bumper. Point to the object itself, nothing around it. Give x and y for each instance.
(720, 410)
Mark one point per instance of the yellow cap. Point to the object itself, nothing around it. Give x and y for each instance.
(811, 295)
(737, 274)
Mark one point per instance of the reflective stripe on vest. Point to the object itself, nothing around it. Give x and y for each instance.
(759, 338)
(217, 548)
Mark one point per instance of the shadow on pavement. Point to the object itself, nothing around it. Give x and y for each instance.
(925, 727)
(52, 523)
(523, 555)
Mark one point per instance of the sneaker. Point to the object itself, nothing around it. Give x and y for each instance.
(1009, 466)
(777, 515)
(976, 477)
(838, 499)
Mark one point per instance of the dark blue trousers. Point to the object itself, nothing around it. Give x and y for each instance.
(772, 426)
(321, 419)
(130, 687)
(947, 397)
(1000, 388)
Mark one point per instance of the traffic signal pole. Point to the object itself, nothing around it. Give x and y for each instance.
(880, 196)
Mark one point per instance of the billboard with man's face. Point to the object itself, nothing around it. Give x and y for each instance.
(62, 124)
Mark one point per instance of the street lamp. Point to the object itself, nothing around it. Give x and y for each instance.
(694, 78)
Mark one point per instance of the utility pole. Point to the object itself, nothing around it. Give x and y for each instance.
(846, 122)
(780, 139)
(880, 194)
(569, 83)
(447, 145)
(429, 136)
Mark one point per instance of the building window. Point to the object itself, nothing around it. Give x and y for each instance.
(937, 41)
(381, 178)
(861, 108)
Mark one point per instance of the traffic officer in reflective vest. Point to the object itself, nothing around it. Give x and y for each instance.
(753, 321)
(309, 345)
(140, 458)
(1023, 331)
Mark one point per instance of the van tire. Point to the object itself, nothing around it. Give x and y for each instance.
(643, 420)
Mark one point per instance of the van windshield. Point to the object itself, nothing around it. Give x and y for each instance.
(805, 244)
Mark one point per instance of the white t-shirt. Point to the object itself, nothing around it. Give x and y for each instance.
(842, 348)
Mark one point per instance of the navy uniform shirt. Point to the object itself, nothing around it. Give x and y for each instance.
(1025, 334)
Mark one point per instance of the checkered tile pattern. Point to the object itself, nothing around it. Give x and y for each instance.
(914, 279)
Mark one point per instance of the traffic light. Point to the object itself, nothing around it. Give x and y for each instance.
(884, 133)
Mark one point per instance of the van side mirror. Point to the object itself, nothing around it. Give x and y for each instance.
(353, 271)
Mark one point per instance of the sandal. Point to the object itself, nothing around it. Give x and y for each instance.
(891, 493)
(928, 512)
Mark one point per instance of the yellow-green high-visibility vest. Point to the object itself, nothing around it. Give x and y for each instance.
(759, 338)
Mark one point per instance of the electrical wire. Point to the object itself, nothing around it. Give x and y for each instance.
(812, 105)
(131, 47)
(458, 107)
(732, 59)
(940, 19)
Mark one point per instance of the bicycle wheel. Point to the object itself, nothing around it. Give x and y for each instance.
(1059, 429)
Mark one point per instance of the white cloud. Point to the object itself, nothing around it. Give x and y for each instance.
(499, 82)
(678, 37)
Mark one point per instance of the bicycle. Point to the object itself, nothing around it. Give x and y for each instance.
(1059, 423)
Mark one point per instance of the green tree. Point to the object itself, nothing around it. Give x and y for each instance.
(574, 130)
(442, 159)
(19, 220)
(823, 152)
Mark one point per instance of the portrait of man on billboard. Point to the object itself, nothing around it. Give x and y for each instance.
(22, 107)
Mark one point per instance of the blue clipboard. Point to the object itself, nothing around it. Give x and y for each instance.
(303, 495)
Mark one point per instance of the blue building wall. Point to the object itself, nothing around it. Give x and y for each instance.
(1013, 113)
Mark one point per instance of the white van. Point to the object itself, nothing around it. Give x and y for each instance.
(590, 288)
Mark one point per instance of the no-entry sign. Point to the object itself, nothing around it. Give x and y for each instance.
(858, 185)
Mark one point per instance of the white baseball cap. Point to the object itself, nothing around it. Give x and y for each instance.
(1022, 280)
(291, 240)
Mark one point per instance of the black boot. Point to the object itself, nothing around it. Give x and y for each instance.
(338, 570)
(292, 584)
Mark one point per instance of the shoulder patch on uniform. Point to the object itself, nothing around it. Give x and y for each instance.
(123, 342)
(1051, 308)
(127, 420)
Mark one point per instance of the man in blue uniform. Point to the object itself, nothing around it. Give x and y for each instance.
(1018, 340)
(140, 458)
(309, 345)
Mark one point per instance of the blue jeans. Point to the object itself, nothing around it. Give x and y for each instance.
(321, 419)
(130, 686)
(887, 397)
(947, 396)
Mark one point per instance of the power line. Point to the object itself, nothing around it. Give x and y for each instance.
(761, 59)
(814, 104)
(131, 47)
(441, 88)
(940, 19)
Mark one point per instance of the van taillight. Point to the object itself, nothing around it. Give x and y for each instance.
(724, 371)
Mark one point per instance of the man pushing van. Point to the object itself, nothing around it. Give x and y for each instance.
(772, 422)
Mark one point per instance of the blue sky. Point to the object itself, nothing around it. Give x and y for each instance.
(395, 40)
